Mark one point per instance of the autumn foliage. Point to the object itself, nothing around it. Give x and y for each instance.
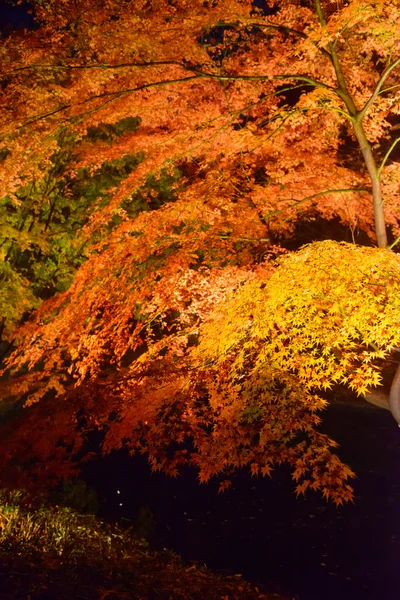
(158, 160)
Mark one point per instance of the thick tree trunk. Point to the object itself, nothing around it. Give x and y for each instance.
(379, 215)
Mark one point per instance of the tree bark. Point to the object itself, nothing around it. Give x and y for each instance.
(379, 216)
(356, 118)
(394, 396)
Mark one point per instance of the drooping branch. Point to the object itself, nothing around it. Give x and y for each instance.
(118, 94)
(324, 193)
(294, 32)
(198, 74)
(187, 67)
(125, 65)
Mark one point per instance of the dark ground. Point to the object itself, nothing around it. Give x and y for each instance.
(305, 548)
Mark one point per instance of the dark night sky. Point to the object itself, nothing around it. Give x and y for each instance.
(14, 17)
(17, 17)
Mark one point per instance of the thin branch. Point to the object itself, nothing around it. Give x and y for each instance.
(396, 141)
(118, 95)
(284, 76)
(186, 67)
(45, 115)
(341, 91)
(68, 230)
(323, 106)
(324, 193)
(103, 65)
(283, 28)
(392, 87)
(396, 241)
(277, 129)
(339, 111)
(289, 30)
(198, 74)
(378, 87)
(241, 239)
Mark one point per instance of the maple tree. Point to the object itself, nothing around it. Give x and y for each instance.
(225, 126)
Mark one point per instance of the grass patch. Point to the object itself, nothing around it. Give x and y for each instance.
(53, 553)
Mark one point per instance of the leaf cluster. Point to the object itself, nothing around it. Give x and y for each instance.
(327, 315)
(157, 156)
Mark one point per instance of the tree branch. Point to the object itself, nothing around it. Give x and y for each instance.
(283, 28)
(284, 76)
(104, 65)
(45, 115)
(341, 91)
(198, 74)
(118, 94)
(396, 141)
(186, 67)
(324, 193)
(378, 87)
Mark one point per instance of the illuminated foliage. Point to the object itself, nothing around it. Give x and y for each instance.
(183, 144)
(327, 315)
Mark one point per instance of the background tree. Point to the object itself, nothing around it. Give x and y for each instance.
(248, 117)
